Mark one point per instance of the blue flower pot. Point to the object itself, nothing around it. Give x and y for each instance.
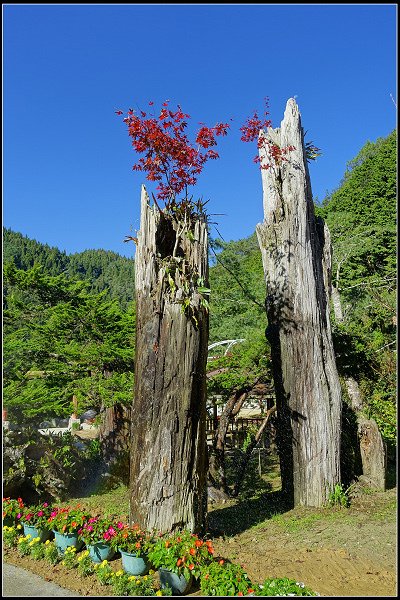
(100, 551)
(64, 540)
(133, 564)
(34, 532)
(178, 583)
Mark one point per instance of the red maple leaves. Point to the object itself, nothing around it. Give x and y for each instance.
(168, 156)
(253, 129)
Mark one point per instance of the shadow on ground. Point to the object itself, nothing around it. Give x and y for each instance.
(234, 519)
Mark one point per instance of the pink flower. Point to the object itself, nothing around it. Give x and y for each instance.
(106, 535)
(111, 530)
(40, 513)
(53, 514)
(45, 504)
(92, 520)
(19, 516)
(120, 525)
(89, 528)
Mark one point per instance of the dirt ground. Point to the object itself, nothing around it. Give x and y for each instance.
(335, 552)
(353, 555)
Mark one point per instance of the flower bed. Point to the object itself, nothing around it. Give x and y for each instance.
(182, 553)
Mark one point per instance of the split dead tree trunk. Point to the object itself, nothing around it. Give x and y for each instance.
(168, 435)
(296, 254)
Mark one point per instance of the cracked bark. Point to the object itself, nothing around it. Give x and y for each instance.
(168, 438)
(296, 252)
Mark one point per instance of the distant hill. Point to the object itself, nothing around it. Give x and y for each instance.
(102, 268)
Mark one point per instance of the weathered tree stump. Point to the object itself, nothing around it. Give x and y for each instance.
(373, 454)
(369, 439)
(296, 253)
(168, 434)
(114, 437)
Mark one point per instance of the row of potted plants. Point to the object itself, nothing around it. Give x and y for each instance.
(180, 557)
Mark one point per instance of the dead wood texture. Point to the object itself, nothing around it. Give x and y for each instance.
(168, 437)
(296, 256)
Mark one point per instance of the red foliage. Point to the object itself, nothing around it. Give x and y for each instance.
(253, 130)
(168, 156)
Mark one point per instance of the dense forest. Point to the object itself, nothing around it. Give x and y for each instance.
(102, 269)
(69, 320)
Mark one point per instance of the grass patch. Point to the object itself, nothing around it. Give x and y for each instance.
(114, 502)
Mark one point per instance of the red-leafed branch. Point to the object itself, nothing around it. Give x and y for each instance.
(168, 156)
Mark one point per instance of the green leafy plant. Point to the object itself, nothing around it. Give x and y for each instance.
(131, 585)
(93, 451)
(181, 552)
(12, 509)
(339, 496)
(37, 516)
(51, 553)
(282, 587)
(85, 564)
(103, 572)
(223, 578)
(37, 549)
(11, 534)
(131, 539)
(24, 545)
(69, 558)
(67, 520)
(97, 529)
(250, 435)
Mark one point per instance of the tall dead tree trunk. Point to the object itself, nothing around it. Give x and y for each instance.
(296, 254)
(168, 435)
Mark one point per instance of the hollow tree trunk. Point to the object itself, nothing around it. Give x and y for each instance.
(168, 435)
(296, 254)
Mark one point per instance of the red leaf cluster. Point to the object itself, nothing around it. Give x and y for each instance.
(253, 130)
(168, 156)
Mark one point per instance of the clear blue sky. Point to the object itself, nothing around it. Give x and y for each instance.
(67, 158)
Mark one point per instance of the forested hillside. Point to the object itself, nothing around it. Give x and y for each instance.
(361, 215)
(63, 337)
(102, 269)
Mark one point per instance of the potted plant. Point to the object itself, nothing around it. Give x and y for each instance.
(35, 521)
(179, 557)
(65, 523)
(12, 511)
(223, 578)
(133, 544)
(97, 533)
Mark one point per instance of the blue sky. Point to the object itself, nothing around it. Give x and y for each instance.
(67, 158)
